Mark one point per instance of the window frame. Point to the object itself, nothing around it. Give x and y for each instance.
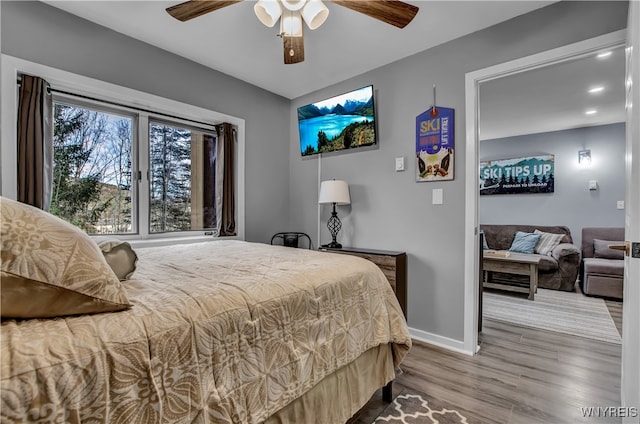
(143, 103)
(150, 119)
(135, 165)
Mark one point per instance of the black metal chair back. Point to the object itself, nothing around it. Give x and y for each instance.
(292, 239)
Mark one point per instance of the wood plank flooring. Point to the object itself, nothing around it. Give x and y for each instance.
(520, 375)
(615, 310)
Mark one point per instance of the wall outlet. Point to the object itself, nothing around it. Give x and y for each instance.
(620, 204)
(400, 164)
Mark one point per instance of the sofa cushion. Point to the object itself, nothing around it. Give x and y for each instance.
(547, 242)
(524, 242)
(602, 233)
(603, 266)
(601, 249)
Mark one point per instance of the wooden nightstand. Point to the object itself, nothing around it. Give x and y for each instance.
(393, 265)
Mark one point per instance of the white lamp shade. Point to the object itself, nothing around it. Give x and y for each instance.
(334, 191)
(293, 5)
(291, 24)
(268, 11)
(315, 13)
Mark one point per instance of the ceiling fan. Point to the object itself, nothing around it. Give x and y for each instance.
(292, 12)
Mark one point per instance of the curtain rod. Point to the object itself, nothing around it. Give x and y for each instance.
(136, 108)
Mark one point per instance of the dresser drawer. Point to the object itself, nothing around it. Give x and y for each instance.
(384, 262)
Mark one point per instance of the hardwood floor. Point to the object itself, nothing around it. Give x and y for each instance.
(520, 375)
(615, 310)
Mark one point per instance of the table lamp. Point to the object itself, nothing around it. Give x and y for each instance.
(334, 192)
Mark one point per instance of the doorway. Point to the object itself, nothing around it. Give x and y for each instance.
(472, 88)
(533, 126)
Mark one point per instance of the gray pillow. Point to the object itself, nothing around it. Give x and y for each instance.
(601, 249)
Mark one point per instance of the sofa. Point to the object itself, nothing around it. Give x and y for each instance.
(557, 270)
(602, 269)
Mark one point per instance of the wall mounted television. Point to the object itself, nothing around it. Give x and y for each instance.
(341, 122)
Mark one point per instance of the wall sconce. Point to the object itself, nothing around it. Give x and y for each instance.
(584, 157)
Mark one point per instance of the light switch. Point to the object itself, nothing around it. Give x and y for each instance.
(436, 196)
(620, 204)
(400, 163)
(593, 185)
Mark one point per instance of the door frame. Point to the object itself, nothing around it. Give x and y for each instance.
(472, 85)
(630, 384)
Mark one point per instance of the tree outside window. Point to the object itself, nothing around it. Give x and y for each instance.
(181, 182)
(92, 169)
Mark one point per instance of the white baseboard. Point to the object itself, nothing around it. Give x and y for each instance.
(440, 341)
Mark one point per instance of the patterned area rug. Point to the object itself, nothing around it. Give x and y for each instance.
(413, 407)
(553, 310)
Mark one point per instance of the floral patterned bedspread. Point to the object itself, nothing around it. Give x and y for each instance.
(220, 332)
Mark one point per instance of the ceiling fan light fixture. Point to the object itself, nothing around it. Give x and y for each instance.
(291, 25)
(268, 11)
(315, 13)
(293, 5)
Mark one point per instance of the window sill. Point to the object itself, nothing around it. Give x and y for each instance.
(168, 241)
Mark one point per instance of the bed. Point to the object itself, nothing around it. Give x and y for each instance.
(213, 332)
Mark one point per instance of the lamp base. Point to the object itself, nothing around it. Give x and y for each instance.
(332, 245)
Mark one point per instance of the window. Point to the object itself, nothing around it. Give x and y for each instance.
(182, 178)
(95, 186)
(125, 185)
(92, 186)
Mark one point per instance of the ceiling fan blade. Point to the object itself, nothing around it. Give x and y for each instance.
(394, 12)
(194, 8)
(293, 49)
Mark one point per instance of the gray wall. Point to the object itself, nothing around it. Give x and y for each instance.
(572, 204)
(389, 209)
(40, 33)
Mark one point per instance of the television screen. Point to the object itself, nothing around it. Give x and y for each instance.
(341, 122)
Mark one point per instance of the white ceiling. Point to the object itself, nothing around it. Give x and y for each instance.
(232, 40)
(554, 97)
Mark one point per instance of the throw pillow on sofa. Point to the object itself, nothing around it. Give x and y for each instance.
(524, 242)
(601, 249)
(547, 242)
